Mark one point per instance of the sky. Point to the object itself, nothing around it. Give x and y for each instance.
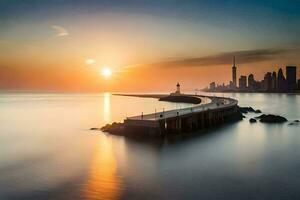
(148, 45)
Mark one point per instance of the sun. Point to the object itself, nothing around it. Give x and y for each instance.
(106, 72)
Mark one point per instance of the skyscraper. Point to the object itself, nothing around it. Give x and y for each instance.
(281, 85)
(267, 82)
(243, 83)
(274, 81)
(234, 73)
(251, 82)
(291, 76)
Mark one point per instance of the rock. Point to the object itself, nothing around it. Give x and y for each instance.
(295, 122)
(252, 120)
(272, 119)
(258, 111)
(114, 128)
(246, 109)
(95, 129)
(261, 116)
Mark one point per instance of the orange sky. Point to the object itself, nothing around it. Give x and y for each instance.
(147, 50)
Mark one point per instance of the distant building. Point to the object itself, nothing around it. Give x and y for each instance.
(212, 86)
(234, 74)
(274, 82)
(251, 82)
(291, 76)
(267, 82)
(243, 83)
(281, 83)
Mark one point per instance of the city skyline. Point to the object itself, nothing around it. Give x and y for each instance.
(272, 82)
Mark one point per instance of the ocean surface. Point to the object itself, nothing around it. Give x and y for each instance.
(48, 152)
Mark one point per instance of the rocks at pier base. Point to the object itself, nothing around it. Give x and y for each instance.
(95, 129)
(181, 99)
(245, 110)
(271, 118)
(262, 118)
(236, 117)
(114, 128)
(295, 122)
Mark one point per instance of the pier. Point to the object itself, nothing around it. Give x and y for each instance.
(180, 121)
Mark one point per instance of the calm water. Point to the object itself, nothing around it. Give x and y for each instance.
(48, 152)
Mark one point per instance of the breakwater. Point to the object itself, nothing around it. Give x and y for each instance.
(218, 111)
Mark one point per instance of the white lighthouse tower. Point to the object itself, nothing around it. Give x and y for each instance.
(177, 92)
(177, 88)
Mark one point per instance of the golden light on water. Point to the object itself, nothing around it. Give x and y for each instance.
(106, 108)
(103, 181)
(106, 72)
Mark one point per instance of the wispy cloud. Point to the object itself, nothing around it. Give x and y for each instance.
(243, 57)
(90, 61)
(60, 31)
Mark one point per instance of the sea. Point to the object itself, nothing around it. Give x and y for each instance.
(47, 151)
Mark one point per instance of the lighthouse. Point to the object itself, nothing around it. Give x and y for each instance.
(177, 92)
(177, 88)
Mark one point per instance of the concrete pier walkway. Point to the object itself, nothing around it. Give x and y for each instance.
(217, 110)
(208, 103)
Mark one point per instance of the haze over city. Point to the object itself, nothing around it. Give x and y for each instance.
(137, 46)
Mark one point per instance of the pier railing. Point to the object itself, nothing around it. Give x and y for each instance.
(214, 104)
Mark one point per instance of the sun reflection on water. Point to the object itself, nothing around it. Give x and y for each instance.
(103, 181)
(106, 108)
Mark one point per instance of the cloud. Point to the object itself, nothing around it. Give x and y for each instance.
(60, 31)
(90, 61)
(242, 57)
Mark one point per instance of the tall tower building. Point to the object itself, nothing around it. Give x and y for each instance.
(234, 73)
(243, 83)
(274, 81)
(291, 74)
(251, 82)
(281, 83)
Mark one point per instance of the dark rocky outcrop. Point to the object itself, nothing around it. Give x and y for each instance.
(260, 116)
(181, 99)
(95, 129)
(252, 120)
(114, 128)
(246, 109)
(249, 109)
(295, 122)
(271, 118)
